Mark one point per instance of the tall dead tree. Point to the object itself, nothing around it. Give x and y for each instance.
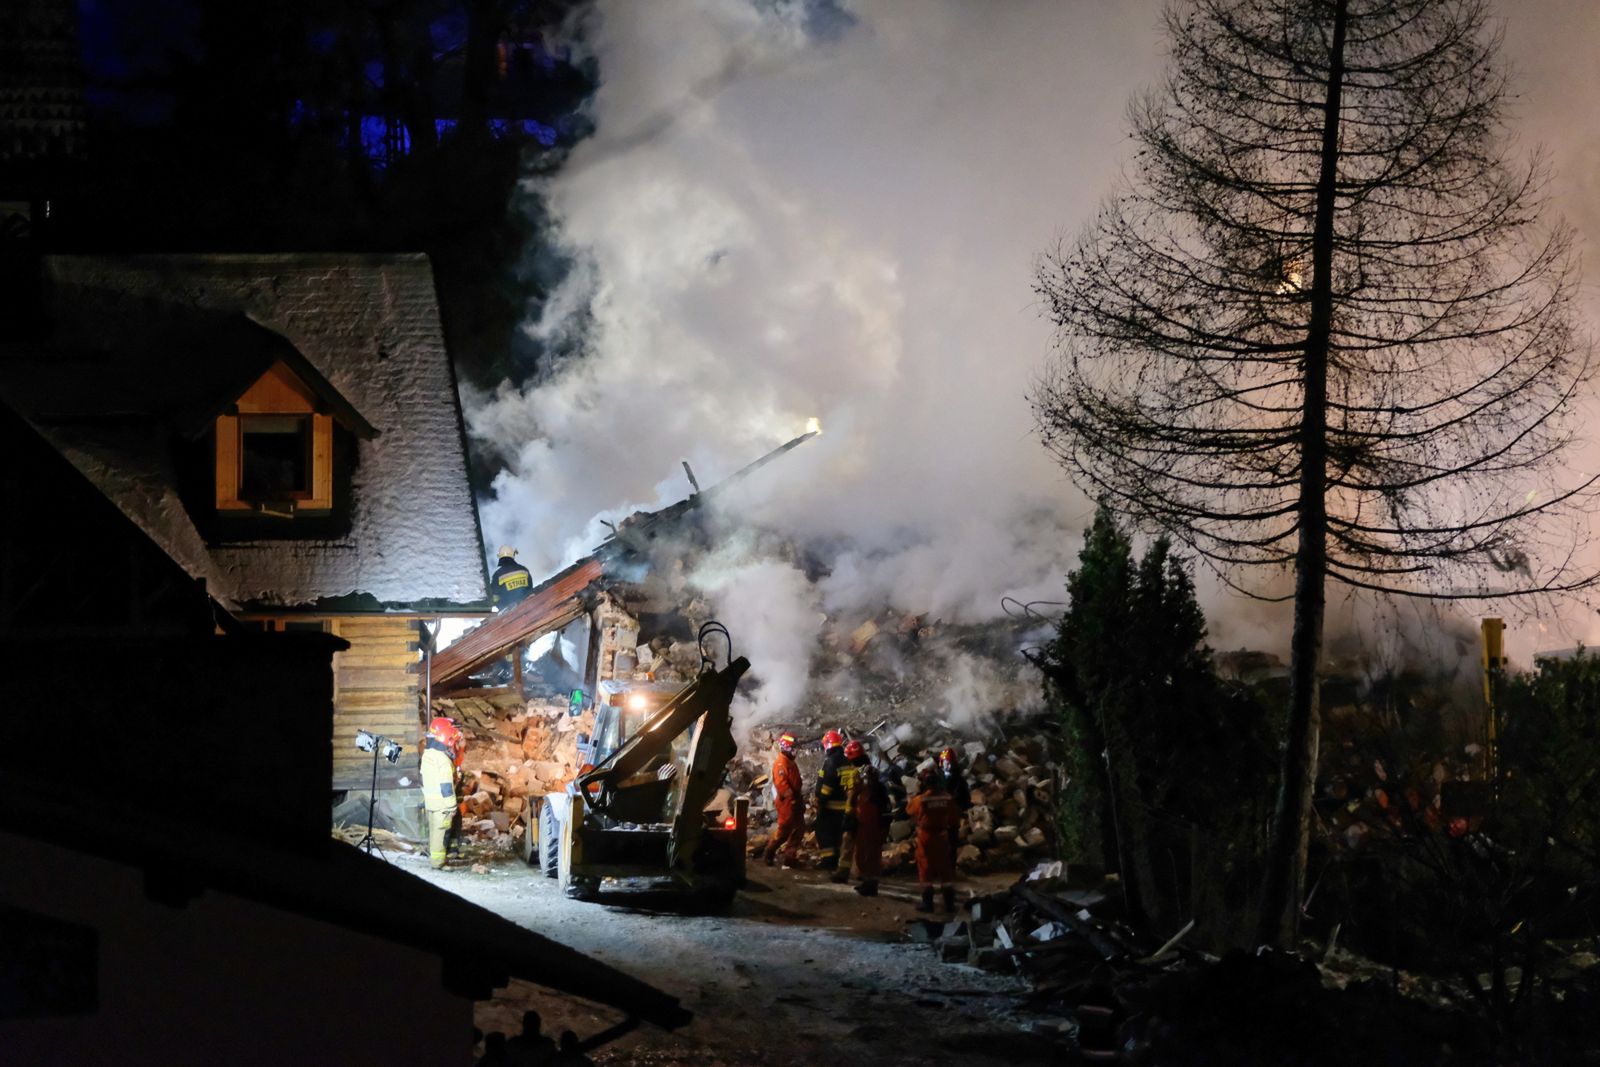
(1321, 329)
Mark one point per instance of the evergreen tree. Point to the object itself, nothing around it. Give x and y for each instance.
(1161, 753)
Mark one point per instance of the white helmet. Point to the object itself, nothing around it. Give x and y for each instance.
(506, 552)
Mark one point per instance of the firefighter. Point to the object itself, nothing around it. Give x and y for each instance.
(512, 581)
(955, 783)
(441, 751)
(868, 802)
(832, 790)
(791, 803)
(935, 813)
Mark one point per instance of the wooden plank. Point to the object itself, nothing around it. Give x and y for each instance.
(388, 639)
(398, 629)
(321, 463)
(376, 678)
(398, 718)
(392, 660)
(370, 699)
(551, 606)
(227, 487)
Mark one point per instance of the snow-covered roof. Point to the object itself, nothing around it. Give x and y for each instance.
(368, 324)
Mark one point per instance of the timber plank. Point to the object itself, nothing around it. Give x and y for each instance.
(376, 678)
(369, 659)
(551, 605)
(398, 702)
(375, 627)
(363, 720)
(395, 639)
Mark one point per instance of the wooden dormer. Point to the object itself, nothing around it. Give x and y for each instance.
(275, 449)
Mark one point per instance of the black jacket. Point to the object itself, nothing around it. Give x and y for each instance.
(511, 584)
(832, 785)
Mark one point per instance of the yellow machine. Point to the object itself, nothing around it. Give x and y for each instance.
(637, 820)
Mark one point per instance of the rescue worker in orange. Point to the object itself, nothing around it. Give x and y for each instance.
(442, 752)
(791, 804)
(868, 801)
(936, 815)
(955, 783)
(833, 789)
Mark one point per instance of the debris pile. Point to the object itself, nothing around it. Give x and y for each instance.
(1131, 999)
(517, 752)
(1013, 783)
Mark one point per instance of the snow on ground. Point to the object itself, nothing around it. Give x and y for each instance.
(800, 971)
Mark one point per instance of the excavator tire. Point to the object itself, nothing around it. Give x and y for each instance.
(549, 840)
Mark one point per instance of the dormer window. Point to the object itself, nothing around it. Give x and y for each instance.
(275, 450)
(274, 458)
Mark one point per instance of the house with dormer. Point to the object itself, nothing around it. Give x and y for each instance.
(286, 428)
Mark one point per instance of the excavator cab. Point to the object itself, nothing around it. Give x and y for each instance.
(636, 818)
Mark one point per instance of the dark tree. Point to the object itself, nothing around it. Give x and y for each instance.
(1321, 329)
(1167, 765)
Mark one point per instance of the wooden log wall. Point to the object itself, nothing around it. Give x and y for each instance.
(376, 687)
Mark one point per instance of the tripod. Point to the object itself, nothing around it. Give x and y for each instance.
(369, 843)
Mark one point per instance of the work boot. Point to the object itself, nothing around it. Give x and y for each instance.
(926, 903)
(869, 888)
(949, 894)
(841, 875)
(771, 859)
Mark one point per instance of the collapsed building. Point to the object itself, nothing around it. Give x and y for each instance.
(524, 685)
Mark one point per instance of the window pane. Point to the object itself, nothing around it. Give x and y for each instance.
(274, 457)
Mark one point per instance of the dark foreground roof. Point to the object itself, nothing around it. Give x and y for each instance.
(346, 887)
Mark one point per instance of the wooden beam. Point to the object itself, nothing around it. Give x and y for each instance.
(549, 607)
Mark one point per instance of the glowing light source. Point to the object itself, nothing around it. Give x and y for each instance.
(813, 425)
(729, 823)
(637, 702)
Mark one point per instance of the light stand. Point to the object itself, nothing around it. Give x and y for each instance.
(378, 745)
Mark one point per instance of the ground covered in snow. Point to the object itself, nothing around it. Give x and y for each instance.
(799, 971)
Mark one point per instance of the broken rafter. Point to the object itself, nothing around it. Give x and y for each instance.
(551, 606)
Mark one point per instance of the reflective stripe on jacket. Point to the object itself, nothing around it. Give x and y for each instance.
(438, 777)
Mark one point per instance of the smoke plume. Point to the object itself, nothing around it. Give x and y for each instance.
(812, 208)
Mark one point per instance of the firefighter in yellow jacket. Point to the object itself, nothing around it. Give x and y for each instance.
(442, 750)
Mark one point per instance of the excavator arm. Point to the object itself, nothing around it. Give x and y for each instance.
(709, 695)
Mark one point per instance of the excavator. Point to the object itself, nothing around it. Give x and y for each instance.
(636, 818)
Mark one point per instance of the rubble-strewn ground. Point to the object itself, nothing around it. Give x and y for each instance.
(800, 971)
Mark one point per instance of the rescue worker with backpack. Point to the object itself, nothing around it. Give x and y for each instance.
(936, 816)
(442, 751)
(868, 802)
(511, 583)
(790, 798)
(833, 789)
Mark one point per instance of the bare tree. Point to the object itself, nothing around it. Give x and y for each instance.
(1321, 328)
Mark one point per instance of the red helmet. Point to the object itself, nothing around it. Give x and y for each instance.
(786, 742)
(947, 755)
(832, 739)
(853, 749)
(446, 731)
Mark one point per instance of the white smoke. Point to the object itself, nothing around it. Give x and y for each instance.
(774, 615)
(795, 209)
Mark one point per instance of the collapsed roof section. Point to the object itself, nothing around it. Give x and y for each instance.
(624, 557)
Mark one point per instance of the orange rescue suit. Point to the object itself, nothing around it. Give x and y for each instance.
(866, 795)
(791, 805)
(936, 815)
